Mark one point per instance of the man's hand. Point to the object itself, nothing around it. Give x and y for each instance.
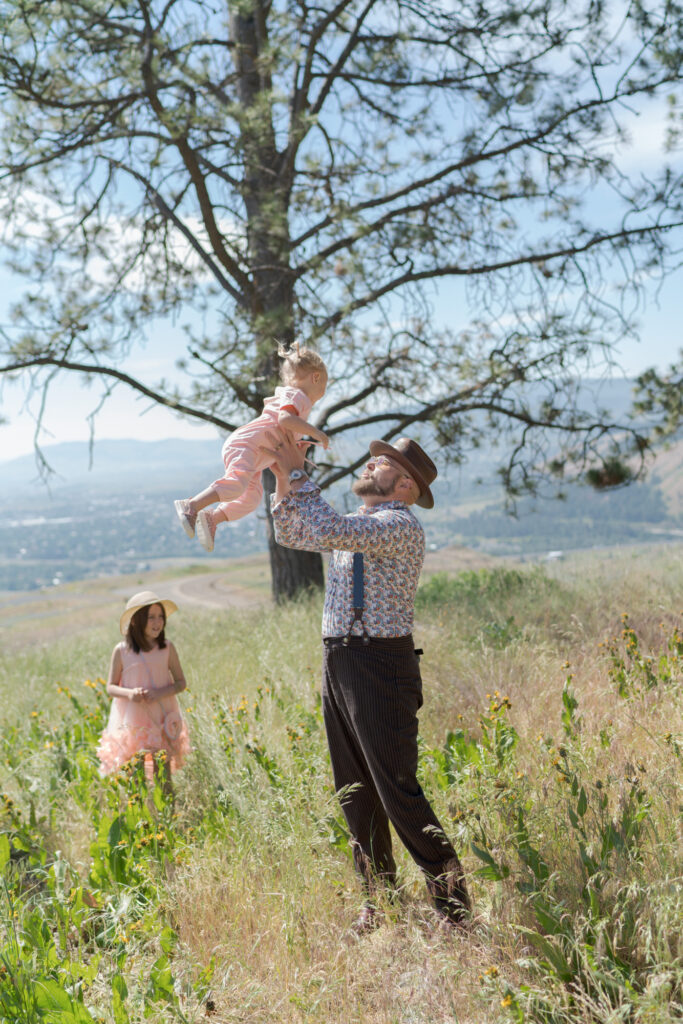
(284, 451)
(285, 455)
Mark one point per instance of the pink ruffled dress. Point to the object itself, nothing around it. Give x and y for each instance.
(148, 726)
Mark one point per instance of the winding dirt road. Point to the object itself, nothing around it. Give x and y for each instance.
(44, 615)
(55, 611)
(211, 590)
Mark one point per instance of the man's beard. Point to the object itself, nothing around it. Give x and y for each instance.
(368, 485)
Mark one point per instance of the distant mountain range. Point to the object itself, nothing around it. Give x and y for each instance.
(116, 514)
(116, 466)
(115, 462)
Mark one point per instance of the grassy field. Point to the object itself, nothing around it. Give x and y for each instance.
(552, 741)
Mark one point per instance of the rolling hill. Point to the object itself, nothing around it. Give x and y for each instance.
(114, 514)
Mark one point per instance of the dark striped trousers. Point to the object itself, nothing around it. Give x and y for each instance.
(371, 695)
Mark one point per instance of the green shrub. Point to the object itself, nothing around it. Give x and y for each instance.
(478, 591)
(589, 860)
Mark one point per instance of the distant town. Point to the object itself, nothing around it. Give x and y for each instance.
(118, 516)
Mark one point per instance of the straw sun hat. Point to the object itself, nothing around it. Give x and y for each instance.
(141, 600)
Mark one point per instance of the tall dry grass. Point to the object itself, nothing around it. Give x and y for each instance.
(241, 911)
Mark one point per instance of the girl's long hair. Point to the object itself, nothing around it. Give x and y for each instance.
(135, 634)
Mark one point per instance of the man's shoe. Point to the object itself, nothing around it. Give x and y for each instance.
(449, 892)
(367, 921)
(448, 924)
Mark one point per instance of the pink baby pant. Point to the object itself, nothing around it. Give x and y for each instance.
(240, 490)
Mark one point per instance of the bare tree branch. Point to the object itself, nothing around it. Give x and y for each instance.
(109, 371)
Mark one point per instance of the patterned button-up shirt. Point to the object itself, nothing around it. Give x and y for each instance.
(393, 545)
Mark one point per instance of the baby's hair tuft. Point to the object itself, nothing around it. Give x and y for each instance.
(297, 360)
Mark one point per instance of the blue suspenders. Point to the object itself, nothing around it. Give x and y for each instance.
(358, 597)
(359, 602)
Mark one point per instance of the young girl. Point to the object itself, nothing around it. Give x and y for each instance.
(304, 379)
(144, 678)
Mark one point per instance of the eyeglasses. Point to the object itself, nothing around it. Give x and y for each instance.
(382, 460)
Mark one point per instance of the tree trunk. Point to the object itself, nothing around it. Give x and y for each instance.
(265, 191)
(292, 572)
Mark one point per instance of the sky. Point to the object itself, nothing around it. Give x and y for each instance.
(71, 400)
(125, 415)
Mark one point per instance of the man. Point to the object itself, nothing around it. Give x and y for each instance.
(372, 688)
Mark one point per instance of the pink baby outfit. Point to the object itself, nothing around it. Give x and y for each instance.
(240, 489)
(148, 725)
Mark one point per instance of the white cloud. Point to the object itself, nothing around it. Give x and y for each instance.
(646, 126)
(36, 215)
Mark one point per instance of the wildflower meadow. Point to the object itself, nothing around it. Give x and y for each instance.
(551, 747)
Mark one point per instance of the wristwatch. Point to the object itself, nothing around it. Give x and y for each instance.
(297, 474)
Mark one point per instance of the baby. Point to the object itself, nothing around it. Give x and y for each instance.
(304, 379)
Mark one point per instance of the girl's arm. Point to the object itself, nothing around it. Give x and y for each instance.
(174, 667)
(113, 687)
(288, 421)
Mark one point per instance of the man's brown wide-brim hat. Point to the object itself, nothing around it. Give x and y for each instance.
(414, 460)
